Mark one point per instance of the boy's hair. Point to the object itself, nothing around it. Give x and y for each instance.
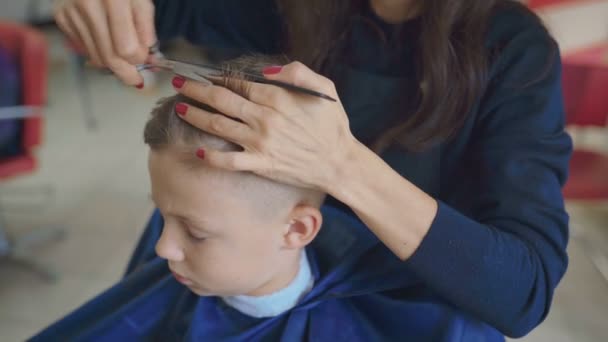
(165, 129)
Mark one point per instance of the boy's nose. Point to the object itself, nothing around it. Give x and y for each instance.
(169, 246)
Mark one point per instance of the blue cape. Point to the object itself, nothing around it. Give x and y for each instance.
(362, 292)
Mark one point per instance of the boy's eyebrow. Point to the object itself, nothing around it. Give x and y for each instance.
(196, 223)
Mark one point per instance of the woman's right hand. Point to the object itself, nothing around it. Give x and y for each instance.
(115, 34)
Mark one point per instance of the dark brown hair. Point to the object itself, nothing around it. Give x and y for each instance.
(451, 59)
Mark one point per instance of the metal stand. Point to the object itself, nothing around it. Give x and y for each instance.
(77, 64)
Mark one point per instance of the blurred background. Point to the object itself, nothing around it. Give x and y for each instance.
(74, 184)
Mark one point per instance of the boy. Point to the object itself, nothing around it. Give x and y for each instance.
(242, 258)
(230, 234)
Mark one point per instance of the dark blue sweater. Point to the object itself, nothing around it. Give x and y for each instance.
(497, 247)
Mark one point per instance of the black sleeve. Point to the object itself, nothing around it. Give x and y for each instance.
(247, 25)
(503, 260)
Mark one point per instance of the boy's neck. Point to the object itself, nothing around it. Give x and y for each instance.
(282, 297)
(284, 276)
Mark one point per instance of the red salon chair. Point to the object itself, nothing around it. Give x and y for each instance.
(586, 100)
(28, 49)
(585, 84)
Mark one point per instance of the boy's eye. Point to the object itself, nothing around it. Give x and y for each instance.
(191, 235)
(194, 237)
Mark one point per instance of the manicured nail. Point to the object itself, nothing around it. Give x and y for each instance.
(140, 86)
(178, 81)
(272, 70)
(200, 153)
(181, 109)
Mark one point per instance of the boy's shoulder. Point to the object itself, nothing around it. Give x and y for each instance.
(347, 255)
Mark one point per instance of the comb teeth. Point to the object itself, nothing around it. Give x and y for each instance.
(218, 74)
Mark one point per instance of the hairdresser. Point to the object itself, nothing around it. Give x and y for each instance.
(447, 139)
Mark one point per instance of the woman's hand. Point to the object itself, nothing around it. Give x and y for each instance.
(292, 138)
(114, 33)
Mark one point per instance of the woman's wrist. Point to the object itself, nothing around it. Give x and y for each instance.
(397, 211)
(345, 170)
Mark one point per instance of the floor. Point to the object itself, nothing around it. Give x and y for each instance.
(100, 197)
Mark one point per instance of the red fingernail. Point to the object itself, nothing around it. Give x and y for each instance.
(140, 86)
(181, 109)
(272, 70)
(200, 153)
(178, 81)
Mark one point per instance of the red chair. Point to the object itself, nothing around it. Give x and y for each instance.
(30, 49)
(585, 84)
(586, 102)
(536, 4)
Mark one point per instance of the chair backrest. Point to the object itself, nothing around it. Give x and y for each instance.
(585, 94)
(29, 49)
(594, 104)
(543, 3)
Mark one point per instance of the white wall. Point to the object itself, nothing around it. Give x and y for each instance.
(17, 10)
(575, 26)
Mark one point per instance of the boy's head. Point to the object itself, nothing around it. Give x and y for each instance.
(226, 232)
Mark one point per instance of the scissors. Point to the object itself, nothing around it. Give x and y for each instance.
(206, 72)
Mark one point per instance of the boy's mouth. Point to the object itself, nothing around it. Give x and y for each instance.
(181, 279)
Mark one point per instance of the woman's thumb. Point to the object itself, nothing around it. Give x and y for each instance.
(143, 16)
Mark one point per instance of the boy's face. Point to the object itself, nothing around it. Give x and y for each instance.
(212, 236)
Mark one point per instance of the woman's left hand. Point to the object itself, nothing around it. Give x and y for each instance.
(292, 138)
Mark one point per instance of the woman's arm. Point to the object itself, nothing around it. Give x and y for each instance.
(502, 263)
(252, 26)
(384, 200)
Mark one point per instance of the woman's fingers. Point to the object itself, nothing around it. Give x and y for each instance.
(126, 43)
(65, 25)
(143, 15)
(232, 161)
(115, 33)
(85, 36)
(125, 71)
(269, 95)
(216, 124)
(300, 75)
(59, 13)
(220, 98)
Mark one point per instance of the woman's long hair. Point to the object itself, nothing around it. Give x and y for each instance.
(451, 58)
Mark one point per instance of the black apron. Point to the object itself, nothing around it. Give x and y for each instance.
(379, 90)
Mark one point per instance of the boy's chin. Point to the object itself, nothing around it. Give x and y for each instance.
(209, 293)
(199, 291)
(202, 293)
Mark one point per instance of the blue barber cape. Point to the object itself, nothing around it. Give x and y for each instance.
(362, 293)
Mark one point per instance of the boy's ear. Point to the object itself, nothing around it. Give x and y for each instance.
(303, 226)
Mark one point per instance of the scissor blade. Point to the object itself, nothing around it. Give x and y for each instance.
(194, 72)
(203, 72)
